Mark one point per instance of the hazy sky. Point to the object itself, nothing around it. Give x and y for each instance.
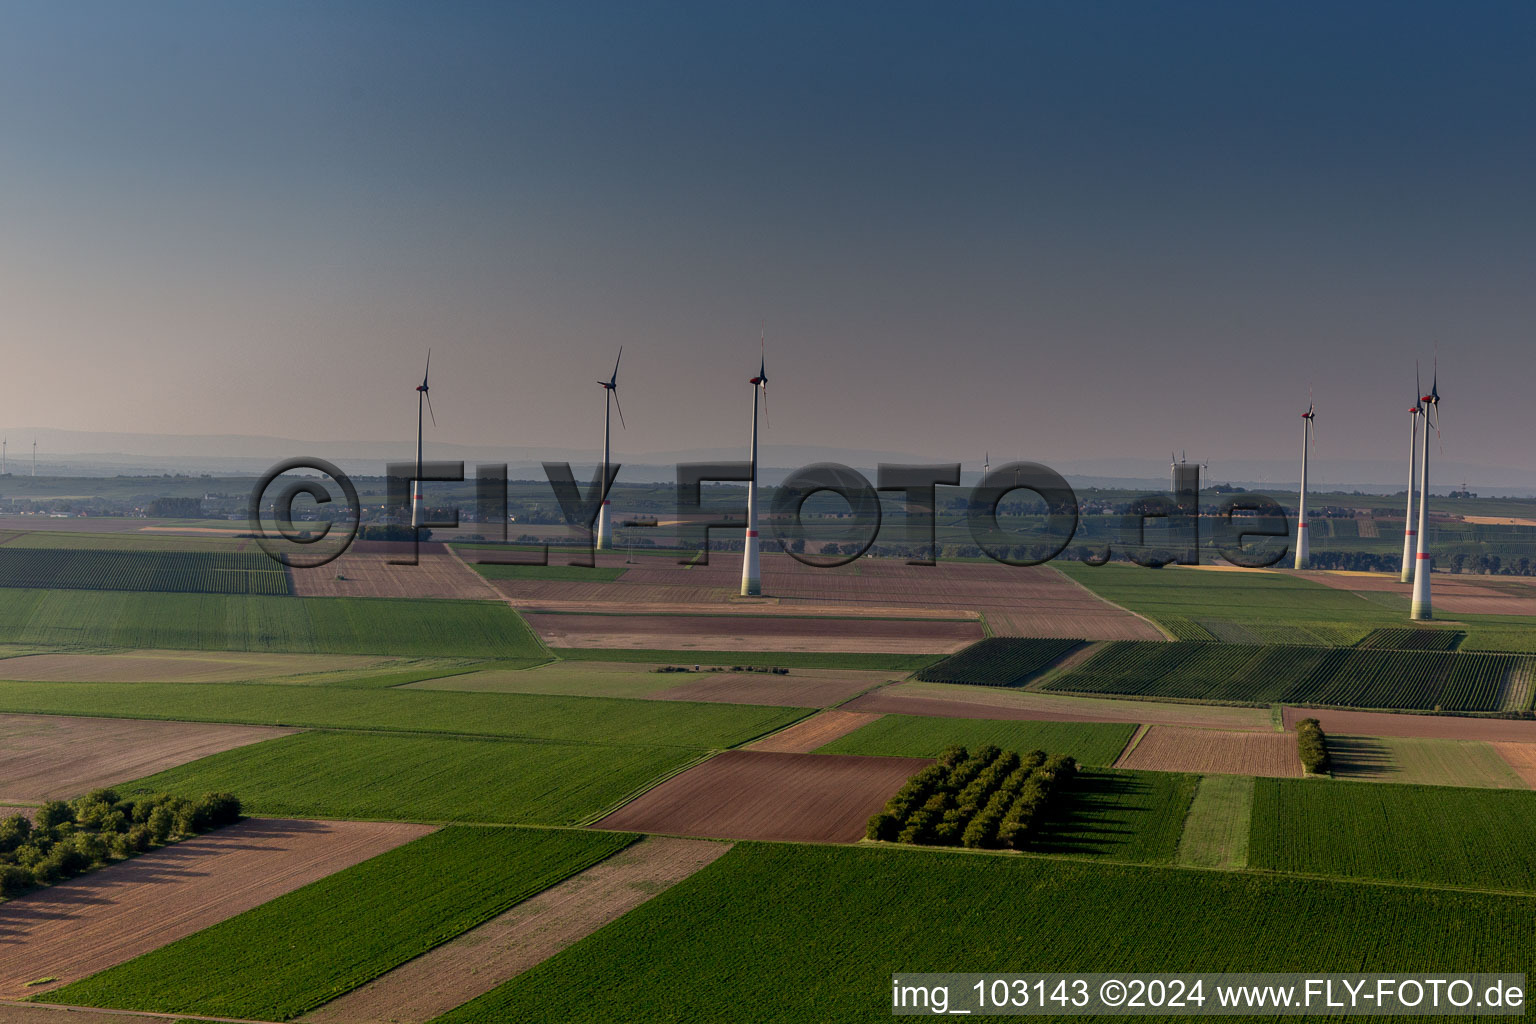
(1061, 231)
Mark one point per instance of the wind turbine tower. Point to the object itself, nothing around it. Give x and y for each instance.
(1410, 534)
(1303, 548)
(1421, 605)
(3, 443)
(423, 400)
(34, 456)
(610, 399)
(751, 574)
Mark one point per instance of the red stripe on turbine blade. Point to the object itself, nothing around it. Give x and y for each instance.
(751, 533)
(1423, 554)
(605, 501)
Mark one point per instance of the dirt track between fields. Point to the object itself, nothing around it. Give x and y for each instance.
(175, 666)
(49, 757)
(754, 794)
(755, 633)
(1446, 727)
(102, 919)
(813, 733)
(941, 700)
(523, 937)
(1170, 748)
(802, 688)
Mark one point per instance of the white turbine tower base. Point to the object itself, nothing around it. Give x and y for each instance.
(1410, 534)
(1422, 609)
(1303, 547)
(751, 572)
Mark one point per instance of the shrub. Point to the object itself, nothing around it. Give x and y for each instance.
(13, 832)
(1312, 746)
(161, 821)
(883, 826)
(14, 879)
(53, 814)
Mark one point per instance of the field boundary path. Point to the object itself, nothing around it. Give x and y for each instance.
(811, 734)
(523, 937)
(48, 1013)
(1216, 828)
(99, 920)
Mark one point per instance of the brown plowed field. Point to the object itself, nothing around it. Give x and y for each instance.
(1448, 727)
(755, 633)
(369, 574)
(942, 700)
(47, 1013)
(44, 757)
(754, 794)
(523, 937)
(1026, 601)
(802, 688)
(1171, 748)
(1456, 595)
(1522, 758)
(102, 919)
(175, 666)
(813, 733)
(6, 812)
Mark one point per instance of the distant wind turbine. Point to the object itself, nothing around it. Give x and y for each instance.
(3, 443)
(1410, 535)
(34, 455)
(751, 575)
(1303, 549)
(1421, 608)
(423, 399)
(610, 399)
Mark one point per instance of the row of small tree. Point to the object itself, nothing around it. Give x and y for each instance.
(63, 840)
(987, 800)
(1312, 745)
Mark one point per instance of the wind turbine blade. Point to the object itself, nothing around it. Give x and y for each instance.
(767, 421)
(428, 372)
(615, 378)
(1418, 383)
(615, 393)
(429, 407)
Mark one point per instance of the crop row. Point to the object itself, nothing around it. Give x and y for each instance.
(192, 572)
(1411, 638)
(999, 661)
(1343, 677)
(984, 800)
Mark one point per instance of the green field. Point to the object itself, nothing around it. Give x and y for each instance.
(577, 678)
(900, 663)
(316, 943)
(1091, 743)
(1117, 815)
(1432, 762)
(423, 778)
(529, 716)
(227, 622)
(1220, 818)
(1345, 677)
(1236, 607)
(192, 572)
(810, 934)
(999, 661)
(1482, 838)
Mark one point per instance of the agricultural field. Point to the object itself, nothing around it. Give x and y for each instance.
(1090, 743)
(180, 666)
(1414, 680)
(304, 948)
(999, 661)
(1237, 607)
(811, 734)
(397, 709)
(183, 572)
(226, 622)
(1444, 727)
(46, 758)
(1522, 758)
(753, 794)
(755, 632)
(367, 570)
(1416, 760)
(1480, 838)
(523, 937)
(1168, 748)
(798, 688)
(946, 700)
(820, 930)
(1136, 817)
(425, 778)
(74, 929)
(900, 664)
(1413, 638)
(1220, 819)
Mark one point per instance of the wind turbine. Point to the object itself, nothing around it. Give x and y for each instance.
(610, 399)
(34, 455)
(3, 443)
(751, 575)
(1421, 605)
(423, 399)
(1303, 548)
(1410, 534)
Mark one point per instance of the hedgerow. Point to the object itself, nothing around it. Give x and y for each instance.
(1312, 745)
